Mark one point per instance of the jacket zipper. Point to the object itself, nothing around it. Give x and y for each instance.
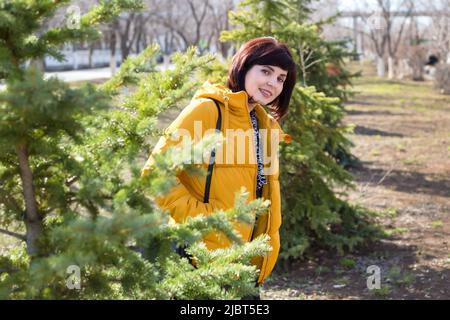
(266, 258)
(255, 176)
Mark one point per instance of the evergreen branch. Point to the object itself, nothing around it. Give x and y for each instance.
(71, 180)
(102, 13)
(13, 234)
(9, 201)
(130, 69)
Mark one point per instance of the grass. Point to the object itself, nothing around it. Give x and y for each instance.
(395, 231)
(411, 162)
(399, 278)
(384, 291)
(437, 224)
(388, 213)
(401, 147)
(347, 263)
(322, 270)
(405, 94)
(375, 152)
(392, 87)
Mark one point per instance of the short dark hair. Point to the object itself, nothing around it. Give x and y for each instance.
(264, 51)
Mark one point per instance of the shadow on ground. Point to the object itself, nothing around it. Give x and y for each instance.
(404, 181)
(329, 276)
(374, 132)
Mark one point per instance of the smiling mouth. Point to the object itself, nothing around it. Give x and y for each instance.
(265, 93)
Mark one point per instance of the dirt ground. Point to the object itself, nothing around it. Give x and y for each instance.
(402, 137)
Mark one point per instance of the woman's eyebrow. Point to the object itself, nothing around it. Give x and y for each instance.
(269, 67)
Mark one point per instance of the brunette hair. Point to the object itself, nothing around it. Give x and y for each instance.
(264, 51)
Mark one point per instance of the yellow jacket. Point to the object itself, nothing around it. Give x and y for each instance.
(229, 175)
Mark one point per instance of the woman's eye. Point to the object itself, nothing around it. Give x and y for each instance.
(266, 72)
(281, 80)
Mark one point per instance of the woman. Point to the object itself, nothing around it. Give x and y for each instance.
(262, 74)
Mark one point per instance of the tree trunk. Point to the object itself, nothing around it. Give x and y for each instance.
(391, 68)
(125, 49)
(112, 47)
(381, 67)
(33, 221)
(39, 64)
(91, 53)
(138, 41)
(418, 70)
(75, 57)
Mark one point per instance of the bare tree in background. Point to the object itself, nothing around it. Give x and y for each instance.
(173, 24)
(127, 30)
(184, 18)
(439, 30)
(376, 35)
(431, 39)
(395, 35)
(386, 31)
(219, 21)
(440, 33)
(413, 51)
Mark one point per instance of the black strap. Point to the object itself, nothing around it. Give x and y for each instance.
(212, 159)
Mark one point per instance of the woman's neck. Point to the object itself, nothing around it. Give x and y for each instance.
(251, 105)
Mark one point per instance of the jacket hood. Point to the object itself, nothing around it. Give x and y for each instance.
(236, 104)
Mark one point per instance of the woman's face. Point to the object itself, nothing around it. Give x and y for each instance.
(264, 83)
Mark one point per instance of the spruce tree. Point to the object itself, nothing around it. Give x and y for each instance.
(70, 183)
(313, 215)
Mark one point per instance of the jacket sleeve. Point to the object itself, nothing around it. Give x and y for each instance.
(195, 119)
